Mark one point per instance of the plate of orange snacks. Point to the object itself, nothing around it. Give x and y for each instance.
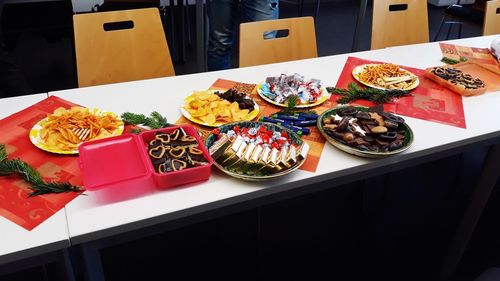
(62, 131)
(209, 109)
(385, 76)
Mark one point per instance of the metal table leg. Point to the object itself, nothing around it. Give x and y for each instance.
(200, 36)
(359, 23)
(487, 181)
(92, 262)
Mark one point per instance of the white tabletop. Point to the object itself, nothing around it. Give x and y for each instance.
(92, 217)
(16, 242)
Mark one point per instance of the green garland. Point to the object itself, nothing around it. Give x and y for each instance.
(155, 121)
(30, 175)
(354, 92)
(453, 61)
(291, 110)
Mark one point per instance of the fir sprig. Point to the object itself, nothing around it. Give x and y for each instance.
(155, 121)
(30, 175)
(290, 108)
(354, 92)
(453, 61)
(3, 153)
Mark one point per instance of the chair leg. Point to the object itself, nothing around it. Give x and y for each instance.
(460, 30)
(449, 31)
(440, 27)
(173, 51)
(301, 7)
(316, 12)
(182, 51)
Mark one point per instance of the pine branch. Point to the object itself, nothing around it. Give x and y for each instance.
(53, 187)
(24, 170)
(134, 119)
(354, 92)
(30, 175)
(453, 61)
(292, 102)
(291, 110)
(156, 120)
(3, 152)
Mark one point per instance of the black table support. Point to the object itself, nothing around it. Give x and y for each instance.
(359, 23)
(200, 36)
(487, 181)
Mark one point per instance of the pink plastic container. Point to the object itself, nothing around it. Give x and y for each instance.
(185, 176)
(123, 161)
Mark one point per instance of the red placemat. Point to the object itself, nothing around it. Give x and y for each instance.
(15, 204)
(315, 140)
(480, 56)
(429, 101)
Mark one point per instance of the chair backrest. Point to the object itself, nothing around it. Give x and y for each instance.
(120, 46)
(492, 18)
(399, 22)
(299, 44)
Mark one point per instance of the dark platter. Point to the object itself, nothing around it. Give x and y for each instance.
(365, 132)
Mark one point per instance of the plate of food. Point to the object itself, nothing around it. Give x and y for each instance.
(256, 151)
(366, 132)
(456, 80)
(215, 108)
(385, 76)
(278, 90)
(64, 130)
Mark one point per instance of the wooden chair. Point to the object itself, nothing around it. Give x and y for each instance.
(399, 22)
(120, 46)
(299, 44)
(456, 14)
(492, 18)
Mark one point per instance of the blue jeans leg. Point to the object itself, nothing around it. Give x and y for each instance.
(223, 14)
(257, 10)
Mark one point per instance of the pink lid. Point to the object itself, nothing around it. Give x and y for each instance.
(112, 161)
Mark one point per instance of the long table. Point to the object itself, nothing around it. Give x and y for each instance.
(179, 205)
(156, 210)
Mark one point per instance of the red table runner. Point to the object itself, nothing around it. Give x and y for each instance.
(429, 101)
(15, 204)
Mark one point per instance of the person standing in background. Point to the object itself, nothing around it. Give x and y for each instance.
(223, 16)
(12, 80)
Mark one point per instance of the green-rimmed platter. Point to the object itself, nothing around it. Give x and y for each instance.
(405, 132)
(256, 175)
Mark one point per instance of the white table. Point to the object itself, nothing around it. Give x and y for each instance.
(165, 95)
(16, 242)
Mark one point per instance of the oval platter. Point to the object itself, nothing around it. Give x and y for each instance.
(252, 114)
(322, 98)
(36, 140)
(342, 145)
(360, 68)
(292, 135)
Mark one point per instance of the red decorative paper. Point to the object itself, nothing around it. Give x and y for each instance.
(481, 56)
(429, 101)
(15, 204)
